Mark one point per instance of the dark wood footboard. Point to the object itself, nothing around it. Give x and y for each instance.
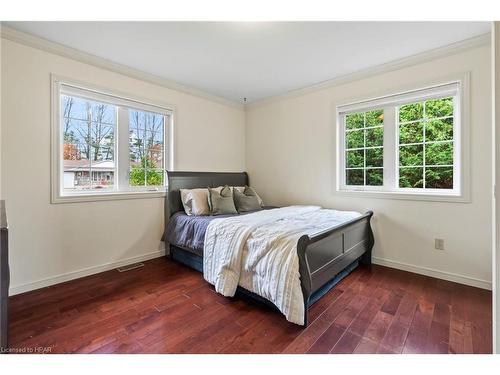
(325, 255)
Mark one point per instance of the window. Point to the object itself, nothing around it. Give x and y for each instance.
(364, 148)
(88, 144)
(146, 142)
(425, 144)
(406, 144)
(107, 146)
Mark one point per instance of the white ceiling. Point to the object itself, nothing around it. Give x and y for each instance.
(252, 59)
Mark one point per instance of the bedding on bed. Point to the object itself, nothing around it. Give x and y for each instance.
(188, 231)
(258, 251)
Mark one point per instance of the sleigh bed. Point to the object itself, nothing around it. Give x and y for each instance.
(324, 259)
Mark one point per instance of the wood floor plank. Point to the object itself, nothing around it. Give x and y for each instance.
(415, 342)
(366, 346)
(269, 335)
(385, 350)
(314, 331)
(365, 318)
(332, 335)
(347, 343)
(438, 338)
(217, 335)
(422, 318)
(327, 340)
(406, 310)
(165, 307)
(317, 309)
(392, 304)
(379, 326)
(395, 337)
(458, 331)
(351, 311)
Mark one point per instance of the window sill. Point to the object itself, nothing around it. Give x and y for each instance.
(109, 196)
(404, 195)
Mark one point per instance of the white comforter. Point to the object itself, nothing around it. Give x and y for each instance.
(259, 252)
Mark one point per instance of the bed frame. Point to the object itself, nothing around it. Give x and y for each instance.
(324, 259)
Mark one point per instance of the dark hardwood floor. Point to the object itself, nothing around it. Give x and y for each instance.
(168, 308)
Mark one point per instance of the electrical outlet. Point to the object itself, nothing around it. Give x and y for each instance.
(439, 244)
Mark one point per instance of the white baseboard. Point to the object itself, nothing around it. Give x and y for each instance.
(466, 280)
(17, 289)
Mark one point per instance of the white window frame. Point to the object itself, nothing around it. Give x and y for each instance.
(388, 101)
(65, 86)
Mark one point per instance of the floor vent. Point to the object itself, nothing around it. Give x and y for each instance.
(130, 267)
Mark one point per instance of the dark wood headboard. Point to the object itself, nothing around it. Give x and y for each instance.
(193, 180)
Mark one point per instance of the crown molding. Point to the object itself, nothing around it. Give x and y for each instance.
(30, 40)
(451, 49)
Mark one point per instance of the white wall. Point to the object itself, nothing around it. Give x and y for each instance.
(51, 242)
(290, 148)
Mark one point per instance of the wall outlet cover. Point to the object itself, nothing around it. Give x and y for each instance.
(439, 244)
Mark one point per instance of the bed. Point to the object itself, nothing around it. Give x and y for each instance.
(323, 258)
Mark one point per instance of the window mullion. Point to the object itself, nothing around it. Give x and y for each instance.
(89, 140)
(341, 152)
(123, 149)
(424, 148)
(390, 148)
(364, 149)
(457, 145)
(143, 160)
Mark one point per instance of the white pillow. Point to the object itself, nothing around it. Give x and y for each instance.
(195, 201)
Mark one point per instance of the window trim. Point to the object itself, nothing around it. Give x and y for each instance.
(461, 139)
(103, 94)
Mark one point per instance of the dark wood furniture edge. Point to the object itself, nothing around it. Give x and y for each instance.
(324, 259)
(4, 279)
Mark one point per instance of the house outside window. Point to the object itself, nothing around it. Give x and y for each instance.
(108, 146)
